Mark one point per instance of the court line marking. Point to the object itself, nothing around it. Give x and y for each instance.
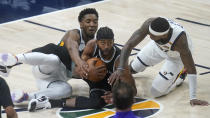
(194, 22)
(98, 2)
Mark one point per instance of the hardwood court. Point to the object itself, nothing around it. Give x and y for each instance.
(124, 17)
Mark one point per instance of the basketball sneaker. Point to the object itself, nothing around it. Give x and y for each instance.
(38, 104)
(19, 96)
(8, 59)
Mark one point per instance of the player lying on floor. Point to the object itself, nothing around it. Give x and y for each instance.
(53, 65)
(104, 49)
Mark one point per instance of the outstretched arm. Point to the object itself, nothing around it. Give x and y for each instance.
(135, 39)
(127, 77)
(182, 47)
(72, 41)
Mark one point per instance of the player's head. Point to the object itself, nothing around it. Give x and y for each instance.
(122, 95)
(159, 29)
(88, 19)
(105, 40)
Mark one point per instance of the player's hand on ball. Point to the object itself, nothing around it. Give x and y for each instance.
(115, 76)
(101, 71)
(97, 69)
(82, 69)
(108, 97)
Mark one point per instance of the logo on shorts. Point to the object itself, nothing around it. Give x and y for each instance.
(141, 108)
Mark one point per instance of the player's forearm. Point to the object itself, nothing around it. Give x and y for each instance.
(191, 68)
(74, 54)
(192, 77)
(125, 53)
(189, 65)
(75, 57)
(188, 61)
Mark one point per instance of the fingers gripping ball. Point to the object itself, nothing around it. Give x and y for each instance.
(94, 72)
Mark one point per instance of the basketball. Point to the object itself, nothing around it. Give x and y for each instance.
(93, 63)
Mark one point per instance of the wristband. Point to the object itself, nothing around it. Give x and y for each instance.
(119, 68)
(192, 78)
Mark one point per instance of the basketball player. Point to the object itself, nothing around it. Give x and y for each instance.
(104, 49)
(75, 40)
(169, 42)
(52, 63)
(5, 100)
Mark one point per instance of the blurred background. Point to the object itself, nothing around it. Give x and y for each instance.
(16, 9)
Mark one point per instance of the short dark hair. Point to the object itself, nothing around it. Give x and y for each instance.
(87, 11)
(122, 95)
(105, 33)
(160, 24)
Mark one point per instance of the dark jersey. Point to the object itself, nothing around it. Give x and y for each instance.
(81, 45)
(110, 64)
(61, 51)
(5, 97)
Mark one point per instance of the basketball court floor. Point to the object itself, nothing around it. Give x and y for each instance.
(124, 17)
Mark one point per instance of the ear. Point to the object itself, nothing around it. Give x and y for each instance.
(81, 24)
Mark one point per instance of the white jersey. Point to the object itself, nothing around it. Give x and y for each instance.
(176, 33)
(82, 42)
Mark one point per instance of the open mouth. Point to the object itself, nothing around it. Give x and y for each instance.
(92, 30)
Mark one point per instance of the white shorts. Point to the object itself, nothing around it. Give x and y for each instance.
(151, 55)
(167, 75)
(60, 73)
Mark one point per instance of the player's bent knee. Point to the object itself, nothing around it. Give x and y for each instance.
(63, 91)
(66, 90)
(162, 82)
(137, 66)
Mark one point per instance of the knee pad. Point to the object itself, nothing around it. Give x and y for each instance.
(137, 65)
(63, 89)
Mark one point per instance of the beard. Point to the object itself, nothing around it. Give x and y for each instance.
(91, 36)
(106, 52)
